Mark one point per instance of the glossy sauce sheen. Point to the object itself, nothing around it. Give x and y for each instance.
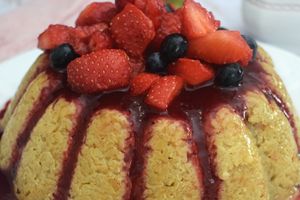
(191, 106)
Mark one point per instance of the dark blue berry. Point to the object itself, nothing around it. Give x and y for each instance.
(229, 76)
(222, 28)
(252, 44)
(173, 47)
(61, 56)
(169, 8)
(155, 64)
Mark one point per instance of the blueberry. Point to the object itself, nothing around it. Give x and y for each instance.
(229, 76)
(252, 44)
(155, 64)
(169, 8)
(173, 47)
(61, 56)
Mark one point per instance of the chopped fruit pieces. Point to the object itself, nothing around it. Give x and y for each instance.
(61, 56)
(170, 23)
(132, 30)
(54, 36)
(192, 71)
(96, 12)
(100, 41)
(197, 21)
(221, 47)
(78, 37)
(163, 91)
(137, 65)
(154, 9)
(229, 76)
(142, 83)
(84, 32)
(140, 4)
(173, 47)
(122, 3)
(156, 64)
(252, 44)
(99, 71)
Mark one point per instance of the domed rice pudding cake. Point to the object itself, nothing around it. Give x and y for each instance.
(143, 101)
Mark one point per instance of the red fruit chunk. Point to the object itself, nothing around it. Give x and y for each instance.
(96, 12)
(221, 47)
(84, 32)
(137, 65)
(141, 4)
(78, 37)
(99, 71)
(132, 30)
(192, 71)
(163, 91)
(170, 23)
(54, 36)
(154, 9)
(142, 83)
(100, 40)
(197, 21)
(122, 3)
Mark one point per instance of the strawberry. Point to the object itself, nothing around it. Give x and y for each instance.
(78, 37)
(197, 21)
(140, 4)
(84, 32)
(122, 3)
(54, 36)
(100, 40)
(132, 30)
(221, 47)
(96, 12)
(163, 91)
(142, 83)
(99, 71)
(137, 65)
(192, 71)
(154, 9)
(170, 23)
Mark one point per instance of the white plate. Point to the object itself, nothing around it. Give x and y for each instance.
(287, 65)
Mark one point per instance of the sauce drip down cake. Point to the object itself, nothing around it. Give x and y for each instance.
(140, 100)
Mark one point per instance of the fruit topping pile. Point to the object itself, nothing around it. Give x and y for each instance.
(149, 47)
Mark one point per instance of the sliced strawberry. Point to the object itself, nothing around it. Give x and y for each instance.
(192, 71)
(170, 23)
(100, 40)
(141, 4)
(154, 9)
(132, 30)
(163, 91)
(96, 12)
(122, 3)
(85, 32)
(99, 71)
(54, 36)
(142, 83)
(78, 37)
(137, 65)
(221, 47)
(197, 21)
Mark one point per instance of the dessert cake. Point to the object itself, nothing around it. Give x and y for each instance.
(144, 101)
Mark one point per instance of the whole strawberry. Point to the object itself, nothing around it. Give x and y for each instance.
(99, 71)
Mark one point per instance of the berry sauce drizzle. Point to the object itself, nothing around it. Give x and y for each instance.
(191, 106)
